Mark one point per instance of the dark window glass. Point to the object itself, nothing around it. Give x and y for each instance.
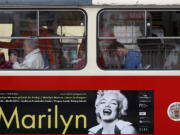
(163, 23)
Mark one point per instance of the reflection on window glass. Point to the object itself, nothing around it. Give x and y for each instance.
(123, 44)
(6, 31)
(63, 23)
(163, 23)
(70, 30)
(26, 45)
(21, 22)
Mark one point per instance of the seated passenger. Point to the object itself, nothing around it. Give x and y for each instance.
(33, 58)
(131, 58)
(173, 60)
(45, 45)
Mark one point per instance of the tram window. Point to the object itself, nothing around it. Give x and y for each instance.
(126, 42)
(161, 47)
(58, 37)
(119, 28)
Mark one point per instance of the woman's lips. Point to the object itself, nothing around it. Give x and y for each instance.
(107, 112)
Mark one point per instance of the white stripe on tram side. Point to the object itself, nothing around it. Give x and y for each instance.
(136, 2)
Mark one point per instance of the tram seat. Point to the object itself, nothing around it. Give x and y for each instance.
(152, 52)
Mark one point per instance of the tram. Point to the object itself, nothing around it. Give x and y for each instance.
(52, 50)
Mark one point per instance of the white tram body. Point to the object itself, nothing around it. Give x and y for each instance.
(87, 31)
(91, 9)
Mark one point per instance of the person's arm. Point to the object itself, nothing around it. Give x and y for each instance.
(34, 62)
(133, 61)
(15, 44)
(128, 130)
(130, 63)
(9, 45)
(17, 65)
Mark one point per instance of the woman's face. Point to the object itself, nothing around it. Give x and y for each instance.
(108, 107)
(31, 24)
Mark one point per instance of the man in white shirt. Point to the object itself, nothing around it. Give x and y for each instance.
(33, 58)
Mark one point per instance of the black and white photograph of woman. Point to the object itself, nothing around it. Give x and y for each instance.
(110, 106)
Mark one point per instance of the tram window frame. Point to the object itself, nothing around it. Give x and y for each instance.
(144, 37)
(37, 11)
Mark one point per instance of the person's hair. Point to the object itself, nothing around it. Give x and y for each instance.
(33, 42)
(31, 16)
(121, 99)
(114, 45)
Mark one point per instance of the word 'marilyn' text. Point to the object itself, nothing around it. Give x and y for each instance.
(36, 120)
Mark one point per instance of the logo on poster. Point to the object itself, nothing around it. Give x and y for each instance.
(174, 111)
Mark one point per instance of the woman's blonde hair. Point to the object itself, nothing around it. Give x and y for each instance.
(122, 102)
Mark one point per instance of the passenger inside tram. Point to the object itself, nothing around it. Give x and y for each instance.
(68, 34)
(33, 58)
(30, 31)
(61, 62)
(116, 26)
(131, 58)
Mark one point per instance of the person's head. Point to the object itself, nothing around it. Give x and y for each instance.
(118, 48)
(31, 21)
(110, 105)
(29, 45)
(52, 26)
